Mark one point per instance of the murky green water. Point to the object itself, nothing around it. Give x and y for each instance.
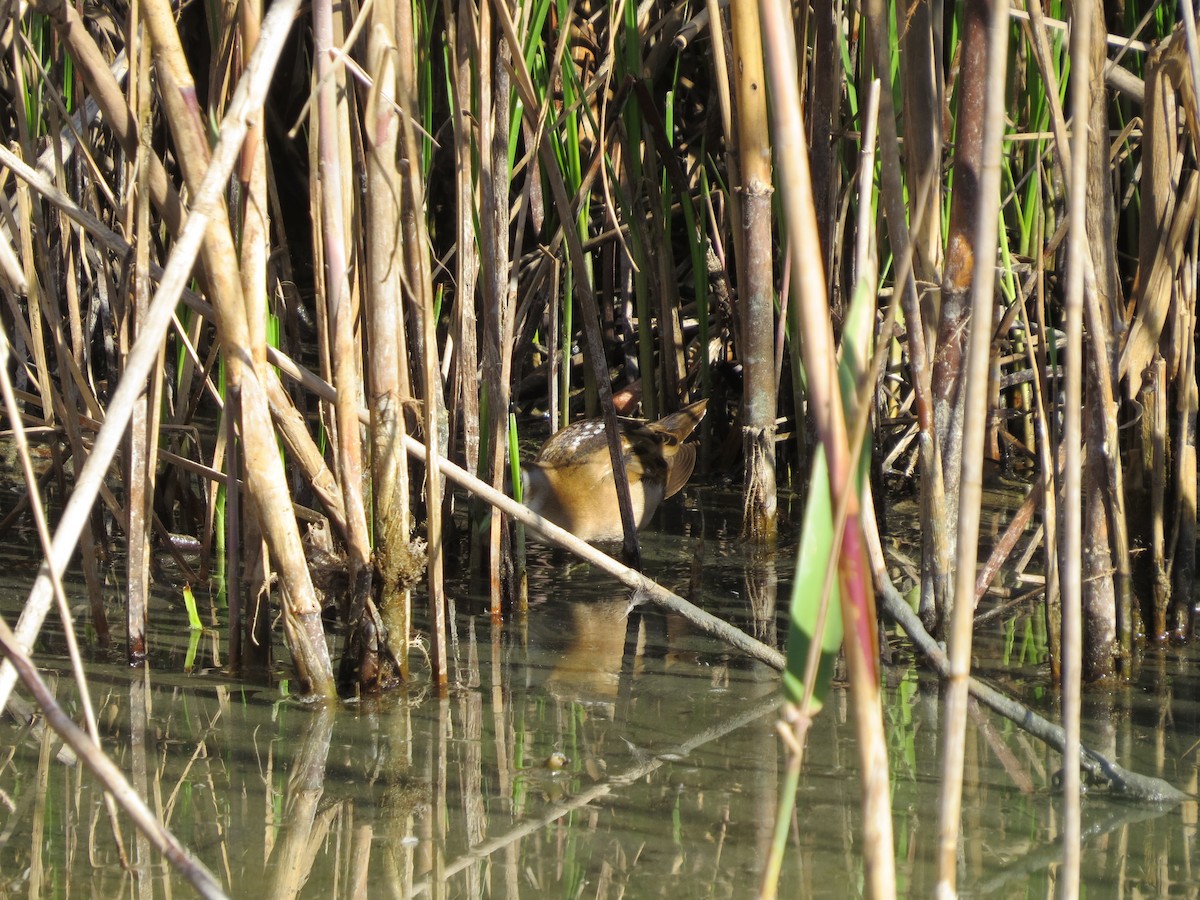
(585, 753)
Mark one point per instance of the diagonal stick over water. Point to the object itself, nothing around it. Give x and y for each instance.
(247, 102)
(643, 587)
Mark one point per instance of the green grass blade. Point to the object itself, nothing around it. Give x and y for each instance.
(812, 563)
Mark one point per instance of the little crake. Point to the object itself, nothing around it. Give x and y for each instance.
(571, 481)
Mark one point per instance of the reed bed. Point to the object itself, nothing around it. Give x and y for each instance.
(270, 277)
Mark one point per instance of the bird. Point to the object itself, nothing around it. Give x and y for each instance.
(571, 482)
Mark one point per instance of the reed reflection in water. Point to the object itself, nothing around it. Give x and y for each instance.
(592, 750)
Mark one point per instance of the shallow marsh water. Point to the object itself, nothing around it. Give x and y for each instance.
(587, 752)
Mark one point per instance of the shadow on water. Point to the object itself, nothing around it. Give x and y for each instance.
(593, 750)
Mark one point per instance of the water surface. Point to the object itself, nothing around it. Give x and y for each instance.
(592, 750)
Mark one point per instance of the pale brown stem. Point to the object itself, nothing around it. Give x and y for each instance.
(1071, 561)
(970, 491)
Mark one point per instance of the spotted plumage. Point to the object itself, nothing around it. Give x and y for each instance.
(571, 483)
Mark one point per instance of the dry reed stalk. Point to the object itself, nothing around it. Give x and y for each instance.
(985, 208)
(462, 43)
(673, 365)
(1107, 596)
(496, 304)
(305, 635)
(265, 476)
(924, 96)
(334, 156)
(60, 407)
(387, 362)
(1184, 487)
(1162, 311)
(140, 469)
(756, 299)
(418, 279)
(825, 78)
(820, 366)
(866, 265)
(1071, 547)
(103, 86)
(1154, 442)
(288, 419)
(1038, 358)
(292, 429)
(246, 627)
(41, 307)
(935, 585)
(964, 260)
